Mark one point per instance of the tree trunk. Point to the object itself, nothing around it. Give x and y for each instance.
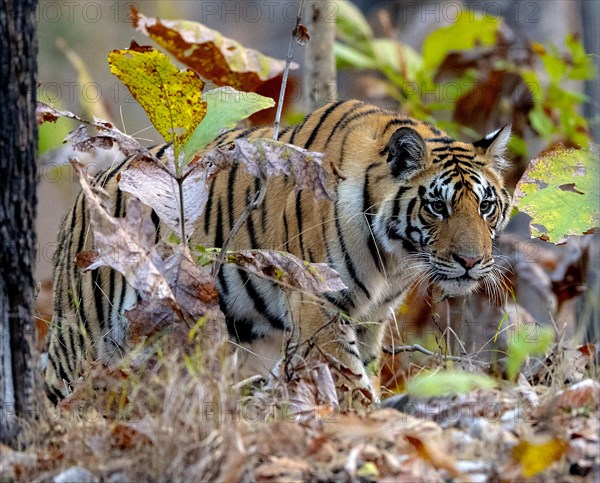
(320, 86)
(18, 181)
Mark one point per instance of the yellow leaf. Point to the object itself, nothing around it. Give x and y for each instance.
(171, 98)
(368, 469)
(535, 457)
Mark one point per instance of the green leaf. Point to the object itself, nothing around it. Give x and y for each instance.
(555, 66)
(351, 25)
(517, 145)
(540, 121)
(398, 57)
(51, 135)
(559, 191)
(171, 98)
(469, 30)
(349, 56)
(225, 107)
(443, 383)
(583, 64)
(528, 340)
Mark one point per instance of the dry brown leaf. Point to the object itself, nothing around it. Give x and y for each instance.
(580, 394)
(434, 453)
(124, 436)
(83, 142)
(197, 302)
(264, 158)
(289, 270)
(126, 244)
(215, 57)
(158, 188)
(97, 394)
(301, 34)
(282, 468)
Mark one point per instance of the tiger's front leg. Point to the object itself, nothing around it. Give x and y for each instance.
(334, 339)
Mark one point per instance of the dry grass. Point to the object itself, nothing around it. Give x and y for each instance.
(181, 418)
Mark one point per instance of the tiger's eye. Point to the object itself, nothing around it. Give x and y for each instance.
(438, 207)
(485, 206)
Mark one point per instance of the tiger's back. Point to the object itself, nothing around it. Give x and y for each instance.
(387, 229)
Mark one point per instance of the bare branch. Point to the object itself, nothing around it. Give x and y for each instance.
(395, 350)
(288, 61)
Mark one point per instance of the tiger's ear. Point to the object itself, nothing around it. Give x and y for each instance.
(494, 145)
(406, 152)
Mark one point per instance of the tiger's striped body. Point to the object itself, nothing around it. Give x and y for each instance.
(412, 203)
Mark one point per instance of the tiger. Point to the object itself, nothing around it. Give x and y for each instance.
(412, 204)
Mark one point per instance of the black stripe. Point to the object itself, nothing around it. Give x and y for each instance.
(317, 128)
(342, 119)
(347, 259)
(220, 137)
(98, 294)
(119, 308)
(345, 303)
(156, 222)
(219, 226)
(239, 328)
(358, 116)
(106, 176)
(299, 222)
(230, 195)
(263, 206)
(162, 150)
(343, 149)
(81, 312)
(260, 304)
(433, 129)
(56, 363)
(250, 223)
(366, 207)
(285, 130)
(441, 140)
(286, 233)
(396, 205)
(208, 208)
(299, 128)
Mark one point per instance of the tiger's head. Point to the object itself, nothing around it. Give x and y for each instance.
(446, 206)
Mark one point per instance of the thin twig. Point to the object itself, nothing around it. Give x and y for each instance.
(288, 61)
(395, 350)
(260, 195)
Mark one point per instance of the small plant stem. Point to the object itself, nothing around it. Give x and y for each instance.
(288, 61)
(394, 350)
(260, 195)
(180, 181)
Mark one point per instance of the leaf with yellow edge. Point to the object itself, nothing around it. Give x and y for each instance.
(171, 98)
(535, 457)
(559, 191)
(215, 57)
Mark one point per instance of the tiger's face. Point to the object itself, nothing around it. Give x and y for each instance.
(448, 206)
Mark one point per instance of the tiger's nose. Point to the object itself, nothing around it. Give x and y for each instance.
(465, 261)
